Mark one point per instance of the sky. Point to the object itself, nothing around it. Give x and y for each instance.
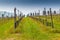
(27, 6)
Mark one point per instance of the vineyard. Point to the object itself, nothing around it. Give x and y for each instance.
(41, 27)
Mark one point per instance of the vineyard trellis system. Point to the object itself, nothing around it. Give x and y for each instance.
(16, 22)
(45, 16)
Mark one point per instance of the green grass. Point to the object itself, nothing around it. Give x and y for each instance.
(5, 27)
(29, 29)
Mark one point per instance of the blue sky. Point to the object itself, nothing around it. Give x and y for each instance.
(27, 6)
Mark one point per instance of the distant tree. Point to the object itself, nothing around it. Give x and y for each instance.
(21, 14)
(27, 15)
(59, 11)
(7, 16)
(2, 15)
(44, 12)
(54, 12)
(30, 14)
(38, 12)
(33, 14)
(18, 14)
(11, 16)
(48, 12)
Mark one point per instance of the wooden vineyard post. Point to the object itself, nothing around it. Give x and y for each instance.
(51, 18)
(44, 13)
(39, 12)
(15, 18)
(18, 14)
(48, 13)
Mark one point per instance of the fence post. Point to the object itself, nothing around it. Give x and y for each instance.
(44, 13)
(15, 18)
(51, 18)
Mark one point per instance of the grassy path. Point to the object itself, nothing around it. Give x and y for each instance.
(30, 29)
